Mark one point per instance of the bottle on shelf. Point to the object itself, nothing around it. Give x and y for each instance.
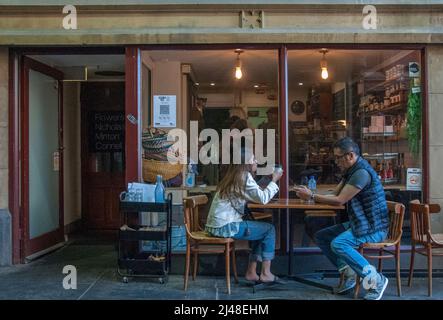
(389, 172)
(383, 174)
(159, 190)
(402, 170)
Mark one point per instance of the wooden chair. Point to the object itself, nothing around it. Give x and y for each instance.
(422, 237)
(199, 242)
(393, 239)
(257, 215)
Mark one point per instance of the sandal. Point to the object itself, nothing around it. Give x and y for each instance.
(276, 280)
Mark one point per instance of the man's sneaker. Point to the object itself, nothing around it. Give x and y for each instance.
(348, 282)
(377, 292)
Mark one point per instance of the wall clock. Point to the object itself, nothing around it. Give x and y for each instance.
(297, 107)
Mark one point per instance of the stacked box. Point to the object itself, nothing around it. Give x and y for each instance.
(377, 124)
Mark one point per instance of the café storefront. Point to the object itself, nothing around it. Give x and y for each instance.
(311, 87)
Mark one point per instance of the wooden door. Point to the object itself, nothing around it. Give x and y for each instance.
(103, 153)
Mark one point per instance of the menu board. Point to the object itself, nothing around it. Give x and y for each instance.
(339, 111)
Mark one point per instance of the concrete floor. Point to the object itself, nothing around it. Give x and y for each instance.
(97, 279)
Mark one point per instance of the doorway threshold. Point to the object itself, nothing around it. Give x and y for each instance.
(41, 253)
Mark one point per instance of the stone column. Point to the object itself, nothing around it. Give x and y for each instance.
(3, 128)
(435, 85)
(5, 238)
(5, 217)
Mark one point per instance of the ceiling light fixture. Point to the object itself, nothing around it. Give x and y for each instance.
(300, 83)
(212, 84)
(324, 64)
(238, 71)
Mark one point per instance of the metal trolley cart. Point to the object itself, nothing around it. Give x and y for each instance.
(134, 260)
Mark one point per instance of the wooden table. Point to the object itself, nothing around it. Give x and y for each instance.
(196, 189)
(299, 207)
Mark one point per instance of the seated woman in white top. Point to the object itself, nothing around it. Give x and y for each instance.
(225, 215)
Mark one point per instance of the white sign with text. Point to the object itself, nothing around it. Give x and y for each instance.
(413, 179)
(165, 111)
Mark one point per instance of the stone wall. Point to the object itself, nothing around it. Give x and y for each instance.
(222, 23)
(3, 128)
(5, 217)
(435, 87)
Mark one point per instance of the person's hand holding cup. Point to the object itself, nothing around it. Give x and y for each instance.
(278, 172)
(303, 192)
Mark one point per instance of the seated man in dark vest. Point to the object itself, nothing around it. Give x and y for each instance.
(363, 193)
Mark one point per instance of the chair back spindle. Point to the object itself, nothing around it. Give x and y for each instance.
(396, 216)
(420, 224)
(191, 213)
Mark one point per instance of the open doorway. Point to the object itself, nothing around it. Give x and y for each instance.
(73, 167)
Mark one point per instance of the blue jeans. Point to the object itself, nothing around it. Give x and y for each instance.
(261, 238)
(339, 245)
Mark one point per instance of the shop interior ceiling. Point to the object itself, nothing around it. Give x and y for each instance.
(260, 67)
(75, 67)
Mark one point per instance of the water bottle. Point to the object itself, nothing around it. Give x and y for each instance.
(159, 190)
(312, 184)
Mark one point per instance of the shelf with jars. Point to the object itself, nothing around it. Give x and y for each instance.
(395, 102)
(385, 154)
(383, 125)
(399, 83)
(390, 170)
(390, 95)
(380, 156)
(382, 111)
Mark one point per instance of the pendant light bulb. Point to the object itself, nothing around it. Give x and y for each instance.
(324, 73)
(324, 65)
(238, 73)
(238, 70)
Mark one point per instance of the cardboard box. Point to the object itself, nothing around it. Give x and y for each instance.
(378, 121)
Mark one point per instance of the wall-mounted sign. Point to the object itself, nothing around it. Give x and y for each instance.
(413, 179)
(414, 70)
(165, 111)
(106, 131)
